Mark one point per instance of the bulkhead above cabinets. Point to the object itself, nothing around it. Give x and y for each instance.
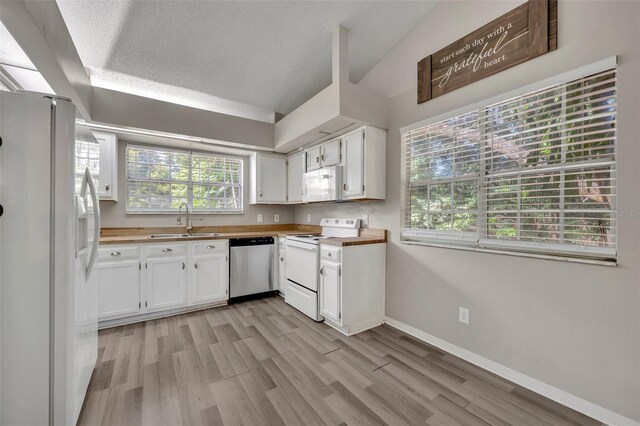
(360, 156)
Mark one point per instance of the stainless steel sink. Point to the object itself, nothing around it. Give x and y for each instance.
(193, 235)
(203, 234)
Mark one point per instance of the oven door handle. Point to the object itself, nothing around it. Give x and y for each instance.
(303, 246)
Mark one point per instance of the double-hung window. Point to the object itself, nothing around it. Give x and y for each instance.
(159, 180)
(532, 173)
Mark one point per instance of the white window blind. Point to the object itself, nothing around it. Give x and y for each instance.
(160, 179)
(533, 173)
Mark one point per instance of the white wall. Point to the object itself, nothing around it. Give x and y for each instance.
(113, 213)
(573, 326)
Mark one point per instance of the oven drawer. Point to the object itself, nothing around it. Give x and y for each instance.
(302, 264)
(302, 299)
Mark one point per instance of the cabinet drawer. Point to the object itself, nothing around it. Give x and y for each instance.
(106, 253)
(330, 253)
(304, 300)
(211, 247)
(167, 250)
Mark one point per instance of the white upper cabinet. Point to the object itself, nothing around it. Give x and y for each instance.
(353, 170)
(295, 171)
(268, 179)
(364, 164)
(330, 154)
(313, 158)
(323, 155)
(108, 174)
(362, 155)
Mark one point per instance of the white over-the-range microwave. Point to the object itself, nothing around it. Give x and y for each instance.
(324, 184)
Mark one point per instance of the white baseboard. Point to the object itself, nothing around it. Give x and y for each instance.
(116, 322)
(350, 331)
(583, 406)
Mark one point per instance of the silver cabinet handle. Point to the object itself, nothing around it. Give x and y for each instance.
(183, 265)
(317, 159)
(322, 157)
(329, 254)
(107, 187)
(210, 247)
(116, 253)
(322, 271)
(260, 194)
(345, 186)
(281, 259)
(195, 265)
(167, 250)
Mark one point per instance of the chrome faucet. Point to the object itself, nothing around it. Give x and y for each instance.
(187, 224)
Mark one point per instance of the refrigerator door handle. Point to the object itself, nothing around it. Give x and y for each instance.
(96, 218)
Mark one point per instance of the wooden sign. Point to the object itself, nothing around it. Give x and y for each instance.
(527, 31)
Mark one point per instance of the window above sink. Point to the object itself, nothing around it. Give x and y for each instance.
(160, 179)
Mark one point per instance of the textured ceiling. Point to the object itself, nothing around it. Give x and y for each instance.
(247, 58)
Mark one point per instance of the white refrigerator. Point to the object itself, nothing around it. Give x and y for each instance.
(49, 233)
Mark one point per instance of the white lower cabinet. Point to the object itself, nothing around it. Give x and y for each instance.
(166, 282)
(331, 291)
(210, 276)
(118, 288)
(146, 279)
(352, 286)
(282, 257)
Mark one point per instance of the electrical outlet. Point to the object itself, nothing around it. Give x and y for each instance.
(276, 218)
(308, 218)
(463, 315)
(365, 220)
(259, 219)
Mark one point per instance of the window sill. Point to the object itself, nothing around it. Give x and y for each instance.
(554, 257)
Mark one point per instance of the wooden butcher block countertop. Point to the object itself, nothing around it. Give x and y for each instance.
(367, 236)
(141, 235)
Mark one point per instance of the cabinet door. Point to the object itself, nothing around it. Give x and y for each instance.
(330, 154)
(313, 158)
(166, 283)
(118, 288)
(272, 179)
(330, 290)
(295, 172)
(353, 165)
(211, 279)
(282, 276)
(108, 174)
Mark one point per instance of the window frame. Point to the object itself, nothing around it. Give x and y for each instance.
(479, 241)
(189, 183)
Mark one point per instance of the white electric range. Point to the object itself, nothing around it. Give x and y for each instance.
(303, 264)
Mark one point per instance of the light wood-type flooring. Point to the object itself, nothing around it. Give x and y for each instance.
(263, 363)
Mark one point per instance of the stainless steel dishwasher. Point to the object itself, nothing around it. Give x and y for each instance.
(250, 267)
